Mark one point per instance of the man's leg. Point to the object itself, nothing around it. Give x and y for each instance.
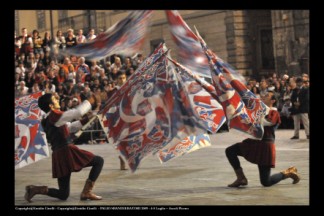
(265, 178)
(64, 188)
(296, 118)
(232, 154)
(97, 164)
(61, 193)
(305, 119)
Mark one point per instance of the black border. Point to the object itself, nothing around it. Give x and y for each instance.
(7, 104)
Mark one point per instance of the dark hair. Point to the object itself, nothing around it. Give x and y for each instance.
(299, 79)
(119, 73)
(273, 97)
(44, 101)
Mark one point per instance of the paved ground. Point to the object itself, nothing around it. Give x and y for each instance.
(199, 178)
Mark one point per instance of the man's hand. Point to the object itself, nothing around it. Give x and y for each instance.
(93, 101)
(86, 117)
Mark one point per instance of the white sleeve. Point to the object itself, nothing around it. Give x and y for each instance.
(267, 123)
(74, 126)
(57, 40)
(74, 113)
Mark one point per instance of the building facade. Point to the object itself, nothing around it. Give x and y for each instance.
(256, 42)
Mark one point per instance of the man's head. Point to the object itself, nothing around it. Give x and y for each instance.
(305, 77)
(299, 82)
(269, 99)
(121, 78)
(48, 102)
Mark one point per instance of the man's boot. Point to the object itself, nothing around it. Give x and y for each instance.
(86, 192)
(32, 190)
(241, 179)
(122, 163)
(291, 172)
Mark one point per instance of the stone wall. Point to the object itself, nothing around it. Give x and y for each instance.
(238, 43)
(291, 41)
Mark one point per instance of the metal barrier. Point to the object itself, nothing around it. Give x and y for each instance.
(96, 125)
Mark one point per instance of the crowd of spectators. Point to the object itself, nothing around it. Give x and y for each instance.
(41, 66)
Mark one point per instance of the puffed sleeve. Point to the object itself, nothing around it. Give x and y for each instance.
(273, 118)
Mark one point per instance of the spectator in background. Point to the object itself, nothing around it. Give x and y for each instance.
(47, 42)
(37, 41)
(112, 76)
(60, 77)
(21, 70)
(121, 79)
(26, 42)
(75, 103)
(82, 66)
(22, 89)
(117, 64)
(305, 77)
(285, 78)
(53, 67)
(48, 87)
(59, 40)
(286, 119)
(138, 60)
(263, 86)
(91, 35)
(35, 88)
(80, 37)
(70, 39)
(29, 79)
(300, 108)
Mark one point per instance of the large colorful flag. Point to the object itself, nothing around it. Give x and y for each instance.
(125, 37)
(244, 111)
(150, 112)
(30, 139)
(189, 49)
(190, 53)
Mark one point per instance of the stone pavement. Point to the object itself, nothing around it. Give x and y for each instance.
(198, 178)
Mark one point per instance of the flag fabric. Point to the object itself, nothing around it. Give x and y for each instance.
(150, 112)
(244, 111)
(200, 93)
(187, 145)
(189, 49)
(190, 53)
(125, 37)
(209, 111)
(30, 139)
(148, 62)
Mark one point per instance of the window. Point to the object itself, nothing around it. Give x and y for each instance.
(62, 14)
(267, 49)
(41, 24)
(63, 19)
